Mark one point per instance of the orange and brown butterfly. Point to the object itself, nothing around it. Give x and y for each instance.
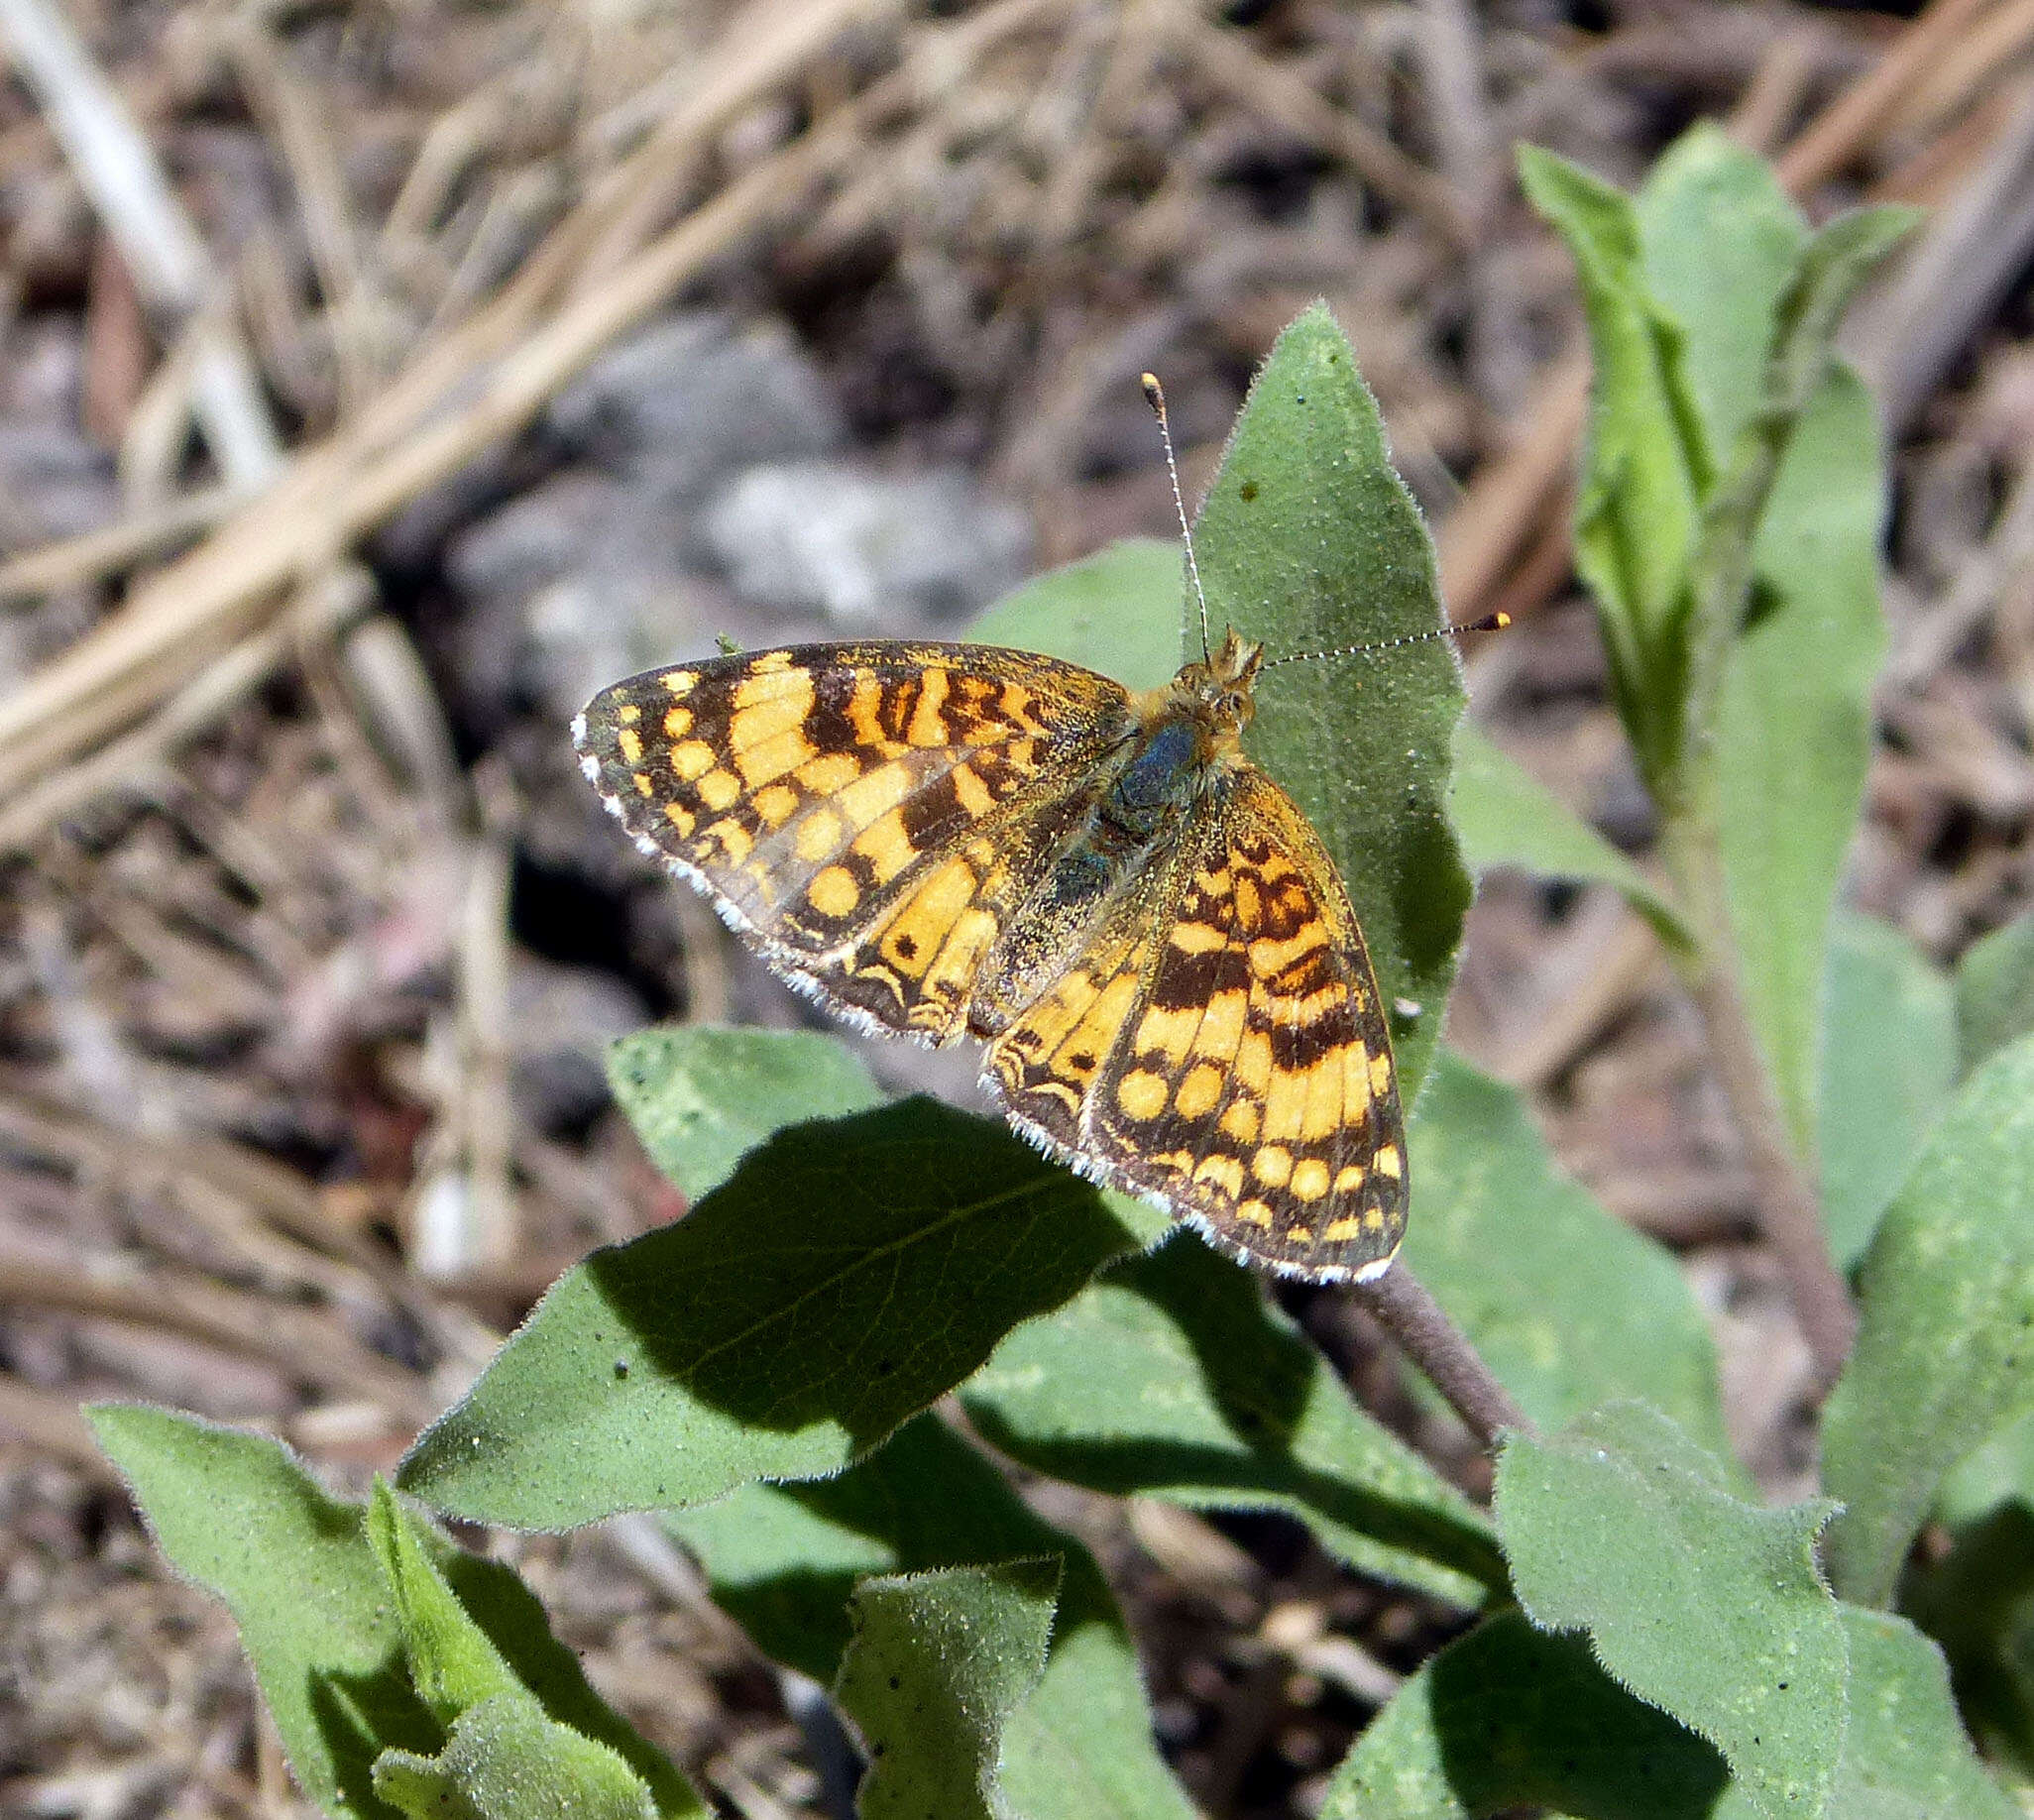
(963, 840)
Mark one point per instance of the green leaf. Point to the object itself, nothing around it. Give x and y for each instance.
(1794, 729)
(1566, 1304)
(1889, 1068)
(1946, 1343)
(1508, 817)
(1999, 1470)
(504, 1760)
(1905, 1755)
(1703, 1605)
(1977, 1603)
(1174, 1377)
(1310, 541)
(1639, 511)
(1838, 262)
(848, 1274)
(1511, 1716)
(939, 1664)
(477, 1637)
(700, 1097)
(1995, 991)
(1118, 612)
(1720, 242)
(783, 1559)
(238, 1514)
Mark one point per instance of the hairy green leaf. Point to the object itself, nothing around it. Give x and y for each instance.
(1566, 1304)
(1720, 243)
(1310, 541)
(1172, 1376)
(1640, 507)
(1118, 612)
(1946, 1345)
(1889, 1068)
(1977, 1603)
(1511, 1716)
(1995, 991)
(238, 1514)
(783, 1559)
(504, 1760)
(848, 1274)
(476, 1637)
(939, 1664)
(1794, 729)
(1507, 817)
(702, 1096)
(1706, 1606)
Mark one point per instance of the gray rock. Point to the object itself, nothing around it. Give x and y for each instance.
(868, 550)
(677, 407)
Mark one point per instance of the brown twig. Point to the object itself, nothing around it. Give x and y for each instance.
(1405, 1309)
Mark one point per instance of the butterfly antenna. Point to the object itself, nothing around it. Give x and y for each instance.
(1155, 396)
(1491, 622)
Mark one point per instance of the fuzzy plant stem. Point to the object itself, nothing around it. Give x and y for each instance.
(1691, 804)
(1405, 1308)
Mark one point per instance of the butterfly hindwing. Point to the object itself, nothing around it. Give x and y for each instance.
(1221, 1047)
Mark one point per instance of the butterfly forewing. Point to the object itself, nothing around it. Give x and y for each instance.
(863, 812)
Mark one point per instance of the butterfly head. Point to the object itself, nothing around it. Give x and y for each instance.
(1219, 692)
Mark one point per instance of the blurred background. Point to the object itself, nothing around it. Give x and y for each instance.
(379, 379)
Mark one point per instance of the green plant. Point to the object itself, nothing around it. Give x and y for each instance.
(1647, 1641)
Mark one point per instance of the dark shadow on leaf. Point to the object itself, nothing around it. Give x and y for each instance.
(1260, 1376)
(851, 1271)
(359, 1716)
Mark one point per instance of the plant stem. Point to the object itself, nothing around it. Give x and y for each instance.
(1405, 1309)
(1786, 1204)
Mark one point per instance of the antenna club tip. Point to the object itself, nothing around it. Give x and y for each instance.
(1491, 622)
(1152, 391)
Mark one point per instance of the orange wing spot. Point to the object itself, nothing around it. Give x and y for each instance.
(1380, 1075)
(679, 683)
(928, 726)
(1199, 1091)
(974, 796)
(629, 744)
(1348, 1179)
(818, 836)
(1222, 1024)
(737, 842)
(677, 723)
(1168, 1033)
(1272, 1166)
(695, 758)
(1198, 937)
(1224, 1173)
(1347, 1227)
(1255, 1214)
(643, 785)
(630, 713)
(1254, 1063)
(1323, 1099)
(1269, 957)
(887, 845)
(875, 793)
(762, 760)
(720, 789)
(1142, 1094)
(833, 892)
(1240, 1120)
(829, 773)
(680, 818)
(770, 663)
(1389, 1162)
(777, 803)
(1311, 1179)
(1300, 1235)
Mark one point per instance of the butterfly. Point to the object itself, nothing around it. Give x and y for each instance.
(964, 841)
